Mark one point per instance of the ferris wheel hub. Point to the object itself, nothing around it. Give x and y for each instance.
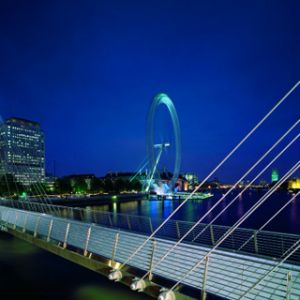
(164, 145)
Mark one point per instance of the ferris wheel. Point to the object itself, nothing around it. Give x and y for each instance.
(157, 148)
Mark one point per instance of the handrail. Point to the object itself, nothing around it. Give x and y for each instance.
(260, 244)
(226, 273)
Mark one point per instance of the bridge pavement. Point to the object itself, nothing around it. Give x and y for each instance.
(229, 274)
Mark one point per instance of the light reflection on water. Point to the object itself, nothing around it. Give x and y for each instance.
(294, 212)
(37, 275)
(10, 248)
(287, 221)
(94, 292)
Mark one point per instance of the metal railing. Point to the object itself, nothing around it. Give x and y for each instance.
(225, 274)
(264, 243)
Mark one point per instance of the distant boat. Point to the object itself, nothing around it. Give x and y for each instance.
(195, 196)
(182, 195)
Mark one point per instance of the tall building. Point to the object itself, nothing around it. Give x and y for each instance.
(294, 184)
(274, 175)
(22, 150)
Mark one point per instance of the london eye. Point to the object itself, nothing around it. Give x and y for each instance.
(160, 145)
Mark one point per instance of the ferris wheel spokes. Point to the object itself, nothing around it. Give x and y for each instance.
(152, 147)
(161, 147)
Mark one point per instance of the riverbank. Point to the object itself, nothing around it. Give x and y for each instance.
(94, 200)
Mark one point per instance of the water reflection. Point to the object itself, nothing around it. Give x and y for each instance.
(10, 247)
(294, 211)
(167, 208)
(240, 208)
(154, 208)
(209, 216)
(100, 292)
(194, 209)
(42, 275)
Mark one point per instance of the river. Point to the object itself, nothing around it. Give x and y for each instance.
(27, 271)
(287, 221)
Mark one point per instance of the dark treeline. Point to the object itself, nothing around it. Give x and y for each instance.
(9, 186)
(95, 185)
(78, 184)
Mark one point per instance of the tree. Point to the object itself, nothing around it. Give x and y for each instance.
(63, 185)
(38, 188)
(96, 185)
(135, 185)
(108, 185)
(80, 185)
(119, 185)
(10, 186)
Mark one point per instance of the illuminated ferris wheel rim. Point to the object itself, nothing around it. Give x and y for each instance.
(164, 99)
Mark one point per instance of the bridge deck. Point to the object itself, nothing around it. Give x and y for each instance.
(229, 274)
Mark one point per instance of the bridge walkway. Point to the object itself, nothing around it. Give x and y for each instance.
(229, 274)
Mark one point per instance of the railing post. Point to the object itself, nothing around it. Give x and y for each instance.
(49, 230)
(4, 217)
(177, 230)
(212, 235)
(15, 224)
(128, 223)
(25, 223)
(203, 291)
(94, 217)
(36, 227)
(81, 215)
(255, 241)
(114, 250)
(288, 285)
(87, 241)
(151, 259)
(7, 218)
(66, 236)
(282, 247)
(110, 220)
(242, 280)
(23, 206)
(150, 225)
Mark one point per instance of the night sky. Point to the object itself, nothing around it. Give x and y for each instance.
(87, 71)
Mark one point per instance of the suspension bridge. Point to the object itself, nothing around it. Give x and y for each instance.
(170, 259)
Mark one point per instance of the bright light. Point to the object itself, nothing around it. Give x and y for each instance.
(294, 184)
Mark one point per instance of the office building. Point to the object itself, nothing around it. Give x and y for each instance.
(22, 150)
(294, 184)
(274, 175)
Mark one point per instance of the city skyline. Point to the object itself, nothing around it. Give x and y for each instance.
(52, 173)
(90, 81)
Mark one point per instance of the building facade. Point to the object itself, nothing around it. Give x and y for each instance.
(192, 181)
(22, 150)
(274, 175)
(294, 184)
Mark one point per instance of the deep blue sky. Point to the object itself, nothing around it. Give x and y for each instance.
(87, 70)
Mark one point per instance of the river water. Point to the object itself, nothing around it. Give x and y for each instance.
(28, 271)
(287, 221)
